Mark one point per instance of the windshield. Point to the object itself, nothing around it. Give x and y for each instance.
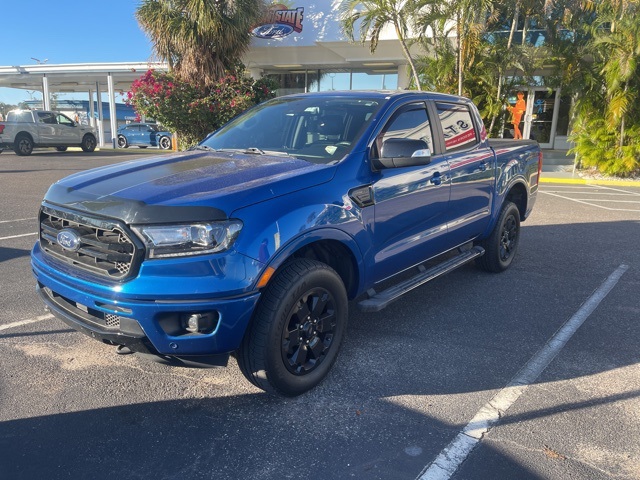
(318, 129)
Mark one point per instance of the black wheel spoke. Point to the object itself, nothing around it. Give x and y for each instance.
(316, 347)
(299, 357)
(320, 304)
(326, 322)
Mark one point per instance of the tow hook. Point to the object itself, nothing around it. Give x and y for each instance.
(123, 350)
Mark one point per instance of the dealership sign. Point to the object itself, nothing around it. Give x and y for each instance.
(280, 22)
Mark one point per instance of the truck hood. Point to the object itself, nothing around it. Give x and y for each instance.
(189, 186)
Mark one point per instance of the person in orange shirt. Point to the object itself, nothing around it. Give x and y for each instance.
(516, 115)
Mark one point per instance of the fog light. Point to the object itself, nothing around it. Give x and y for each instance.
(198, 323)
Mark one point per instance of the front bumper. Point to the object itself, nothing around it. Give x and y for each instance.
(145, 322)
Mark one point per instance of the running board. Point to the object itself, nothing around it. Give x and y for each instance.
(378, 301)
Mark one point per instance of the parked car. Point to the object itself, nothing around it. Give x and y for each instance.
(143, 135)
(254, 241)
(25, 130)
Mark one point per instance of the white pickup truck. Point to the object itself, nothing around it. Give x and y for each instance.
(26, 129)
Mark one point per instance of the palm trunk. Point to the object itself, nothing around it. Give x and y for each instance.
(407, 55)
(514, 25)
(460, 47)
(626, 87)
(524, 29)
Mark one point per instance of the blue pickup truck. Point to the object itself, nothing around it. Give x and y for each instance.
(254, 242)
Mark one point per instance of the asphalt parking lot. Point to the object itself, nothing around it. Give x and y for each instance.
(541, 363)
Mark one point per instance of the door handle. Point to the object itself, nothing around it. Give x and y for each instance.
(482, 166)
(436, 179)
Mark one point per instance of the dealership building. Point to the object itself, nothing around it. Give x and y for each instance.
(303, 47)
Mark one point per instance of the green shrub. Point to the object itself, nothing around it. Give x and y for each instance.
(191, 112)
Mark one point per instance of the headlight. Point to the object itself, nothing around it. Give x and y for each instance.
(179, 240)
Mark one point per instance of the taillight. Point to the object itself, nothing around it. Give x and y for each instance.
(1, 128)
(539, 166)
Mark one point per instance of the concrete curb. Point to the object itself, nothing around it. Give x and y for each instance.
(590, 181)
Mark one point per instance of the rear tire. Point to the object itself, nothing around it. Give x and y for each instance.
(501, 246)
(88, 143)
(23, 145)
(297, 329)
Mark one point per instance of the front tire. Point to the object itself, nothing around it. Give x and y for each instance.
(88, 143)
(122, 141)
(23, 146)
(502, 245)
(164, 143)
(297, 329)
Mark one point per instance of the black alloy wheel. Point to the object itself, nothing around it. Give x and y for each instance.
(309, 334)
(501, 246)
(297, 329)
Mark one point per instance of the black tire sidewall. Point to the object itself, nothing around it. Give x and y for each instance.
(85, 143)
(491, 261)
(284, 296)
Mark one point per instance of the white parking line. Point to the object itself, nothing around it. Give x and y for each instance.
(592, 204)
(448, 461)
(18, 236)
(17, 220)
(26, 322)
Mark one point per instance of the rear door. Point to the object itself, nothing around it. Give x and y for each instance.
(410, 202)
(47, 128)
(472, 165)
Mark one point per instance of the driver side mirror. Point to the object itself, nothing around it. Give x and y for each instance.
(403, 152)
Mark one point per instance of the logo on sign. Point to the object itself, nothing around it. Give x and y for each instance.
(68, 239)
(280, 22)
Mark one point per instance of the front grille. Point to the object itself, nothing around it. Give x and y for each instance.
(103, 247)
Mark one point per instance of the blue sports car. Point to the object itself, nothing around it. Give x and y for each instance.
(143, 135)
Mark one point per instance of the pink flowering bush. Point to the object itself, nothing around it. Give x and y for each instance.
(193, 113)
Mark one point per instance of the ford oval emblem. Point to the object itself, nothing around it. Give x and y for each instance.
(272, 30)
(68, 239)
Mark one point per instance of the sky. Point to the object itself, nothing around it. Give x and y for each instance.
(68, 31)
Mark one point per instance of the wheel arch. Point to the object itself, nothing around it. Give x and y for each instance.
(331, 247)
(519, 195)
(24, 133)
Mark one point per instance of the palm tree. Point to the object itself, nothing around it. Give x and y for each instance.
(200, 39)
(621, 49)
(374, 16)
(470, 17)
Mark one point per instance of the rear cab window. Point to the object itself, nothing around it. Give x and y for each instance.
(457, 126)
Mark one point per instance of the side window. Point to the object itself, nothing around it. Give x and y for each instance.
(47, 117)
(64, 120)
(412, 122)
(457, 125)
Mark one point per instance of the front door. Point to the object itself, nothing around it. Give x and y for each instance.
(410, 202)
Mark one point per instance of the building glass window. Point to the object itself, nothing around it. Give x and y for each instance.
(334, 80)
(365, 80)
